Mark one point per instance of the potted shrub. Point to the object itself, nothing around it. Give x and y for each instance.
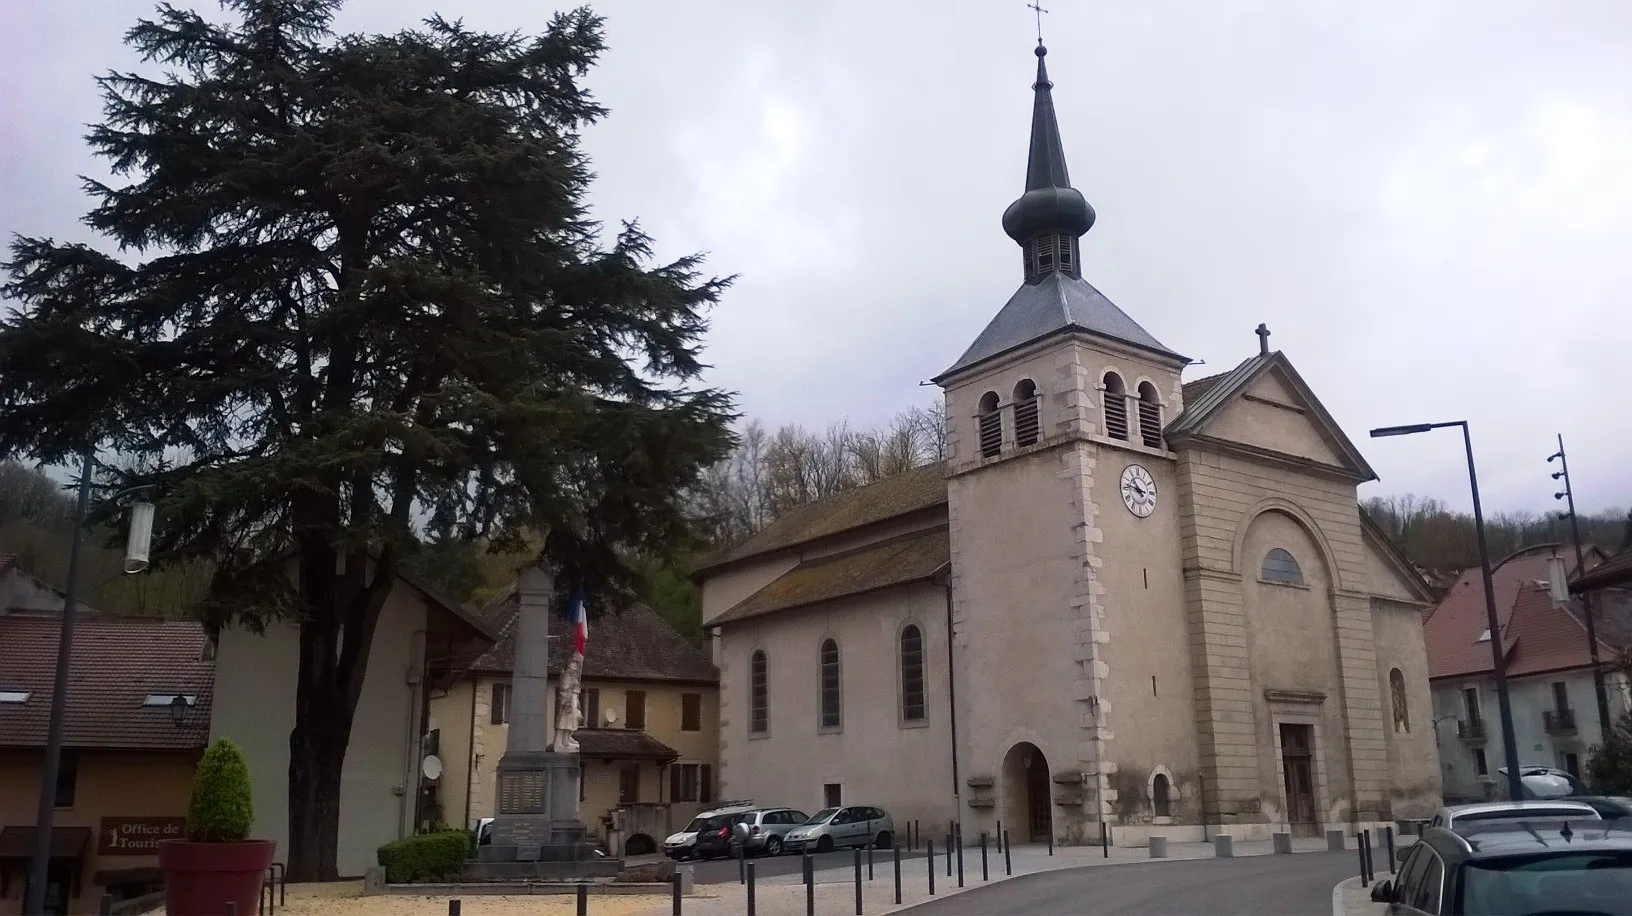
(217, 863)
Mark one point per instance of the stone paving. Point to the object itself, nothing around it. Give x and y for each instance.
(1350, 899)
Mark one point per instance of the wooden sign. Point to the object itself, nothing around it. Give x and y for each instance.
(137, 836)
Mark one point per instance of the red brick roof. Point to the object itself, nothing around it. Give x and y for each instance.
(1538, 634)
(117, 663)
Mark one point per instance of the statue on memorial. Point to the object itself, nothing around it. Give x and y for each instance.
(568, 711)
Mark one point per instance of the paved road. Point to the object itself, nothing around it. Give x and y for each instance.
(719, 871)
(1298, 885)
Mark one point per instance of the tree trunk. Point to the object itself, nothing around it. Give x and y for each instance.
(317, 756)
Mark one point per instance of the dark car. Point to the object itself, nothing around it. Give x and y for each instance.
(1540, 868)
(1609, 807)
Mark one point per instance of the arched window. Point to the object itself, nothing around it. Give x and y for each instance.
(991, 425)
(759, 704)
(1116, 407)
(1396, 690)
(1280, 566)
(1026, 426)
(912, 675)
(1161, 805)
(1150, 415)
(830, 684)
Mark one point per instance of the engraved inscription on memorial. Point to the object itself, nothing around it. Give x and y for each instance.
(521, 793)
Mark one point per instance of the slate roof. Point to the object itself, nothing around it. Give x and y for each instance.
(631, 644)
(911, 491)
(622, 744)
(117, 662)
(1055, 304)
(1614, 572)
(898, 561)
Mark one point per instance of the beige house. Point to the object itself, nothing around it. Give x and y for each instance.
(1168, 613)
(650, 747)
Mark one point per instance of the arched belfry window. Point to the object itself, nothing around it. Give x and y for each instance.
(1150, 415)
(1027, 429)
(913, 708)
(991, 425)
(831, 691)
(1116, 407)
(1161, 802)
(1280, 566)
(1396, 692)
(759, 708)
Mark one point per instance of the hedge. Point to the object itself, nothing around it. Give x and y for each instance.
(221, 809)
(426, 856)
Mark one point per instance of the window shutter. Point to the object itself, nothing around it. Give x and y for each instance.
(634, 709)
(674, 782)
(706, 784)
(691, 712)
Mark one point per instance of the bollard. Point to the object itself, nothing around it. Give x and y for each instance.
(1388, 837)
(1282, 843)
(1105, 839)
(750, 889)
(869, 861)
(453, 907)
(1223, 846)
(958, 839)
(1051, 840)
(1008, 863)
(1158, 847)
(1360, 850)
(742, 859)
(583, 900)
(929, 856)
(997, 836)
(1334, 840)
(983, 875)
(897, 851)
(858, 880)
(674, 892)
(1365, 843)
(948, 854)
(810, 886)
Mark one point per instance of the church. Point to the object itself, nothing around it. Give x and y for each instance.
(1123, 599)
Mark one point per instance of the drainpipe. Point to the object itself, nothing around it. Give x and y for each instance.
(470, 750)
(952, 698)
(410, 784)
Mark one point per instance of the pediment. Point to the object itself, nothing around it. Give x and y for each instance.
(1265, 407)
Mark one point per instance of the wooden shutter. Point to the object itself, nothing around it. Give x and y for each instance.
(674, 782)
(592, 708)
(629, 785)
(691, 712)
(634, 709)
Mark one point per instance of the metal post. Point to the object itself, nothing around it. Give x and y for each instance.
(997, 837)
(858, 881)
(1605, 724)
(1008, 861)
(39, 866)
(674, 892)
(1050, 839)
(897, 851)
(750, 889)
(1388, 837)
(948, 854)
(952, 701)
(929, 856)
(453, 907)
(583, 900)
(984, 876)
(742, 859)
(810, 886)
(1510, 746)
(1360, 850)
(957, 838)
(869, 861)
(1105, 839)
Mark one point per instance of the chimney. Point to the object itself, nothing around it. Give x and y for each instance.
(1557, 581)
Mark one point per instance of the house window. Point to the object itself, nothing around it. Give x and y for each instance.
(592, 707)
(1160, 804)
(759, 703)
(684, 782)
(1561, 697)
(1396, 691)
(634, 709)
(1480, 767)
(1281, 567)
(831, 692)
(691, 712)
(912, 674)
(499, 709)
(1027, 429)
(67, 778)
(629, 784)
(1150, 415)
(991, 425)
(1116, 407)
(832, 797)
(1572, 763)
(1470, 703)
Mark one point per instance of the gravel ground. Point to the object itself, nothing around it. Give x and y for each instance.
(346, 897)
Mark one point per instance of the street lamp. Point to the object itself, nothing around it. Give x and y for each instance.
(1510, 747)
(178, 710)
(1598, 687)
(136, 560)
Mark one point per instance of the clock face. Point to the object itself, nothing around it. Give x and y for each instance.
(1138, 490)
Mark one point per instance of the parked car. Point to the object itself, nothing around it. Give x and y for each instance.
(1609, 807)
(763, 831)
(850, 825)
(683, 844)
(1534, 867)
(1541, 782)
(1456, 816)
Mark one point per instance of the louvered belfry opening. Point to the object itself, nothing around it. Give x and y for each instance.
(1027, 428)
(1150, 416)
(991, 425)
(1116, 407)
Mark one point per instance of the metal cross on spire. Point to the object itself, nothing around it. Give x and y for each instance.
(1040, 11)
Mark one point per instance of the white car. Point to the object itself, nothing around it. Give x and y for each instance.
(683, 844)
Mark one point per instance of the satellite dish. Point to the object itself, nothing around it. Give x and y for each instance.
(431, 766)
(611, 717)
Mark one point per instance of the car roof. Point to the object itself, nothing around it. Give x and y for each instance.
(1487, 807)
(1510, 838)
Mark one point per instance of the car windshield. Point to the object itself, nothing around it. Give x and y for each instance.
(1562, 882)
(821, 816)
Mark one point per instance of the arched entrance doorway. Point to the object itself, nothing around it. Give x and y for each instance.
(1027, 801)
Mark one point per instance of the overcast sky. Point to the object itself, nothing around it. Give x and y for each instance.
(1429, 203)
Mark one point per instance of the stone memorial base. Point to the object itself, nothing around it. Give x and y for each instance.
(536, 831)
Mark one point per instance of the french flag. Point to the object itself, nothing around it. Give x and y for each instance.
(580, 622)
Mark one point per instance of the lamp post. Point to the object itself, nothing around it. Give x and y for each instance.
(1598, 687)
(1510, 747)
(136, 560)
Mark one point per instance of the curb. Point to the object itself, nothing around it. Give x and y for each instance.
(1337, 894)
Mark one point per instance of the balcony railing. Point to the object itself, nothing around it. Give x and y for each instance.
(1471, 730)
(1559, 721)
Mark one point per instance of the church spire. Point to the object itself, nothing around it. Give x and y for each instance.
(1051, 215)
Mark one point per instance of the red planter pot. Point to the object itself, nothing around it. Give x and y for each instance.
(200, 879)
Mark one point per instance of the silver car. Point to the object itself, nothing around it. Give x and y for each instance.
(763, 832)
(850, 825)
(1460, 815)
